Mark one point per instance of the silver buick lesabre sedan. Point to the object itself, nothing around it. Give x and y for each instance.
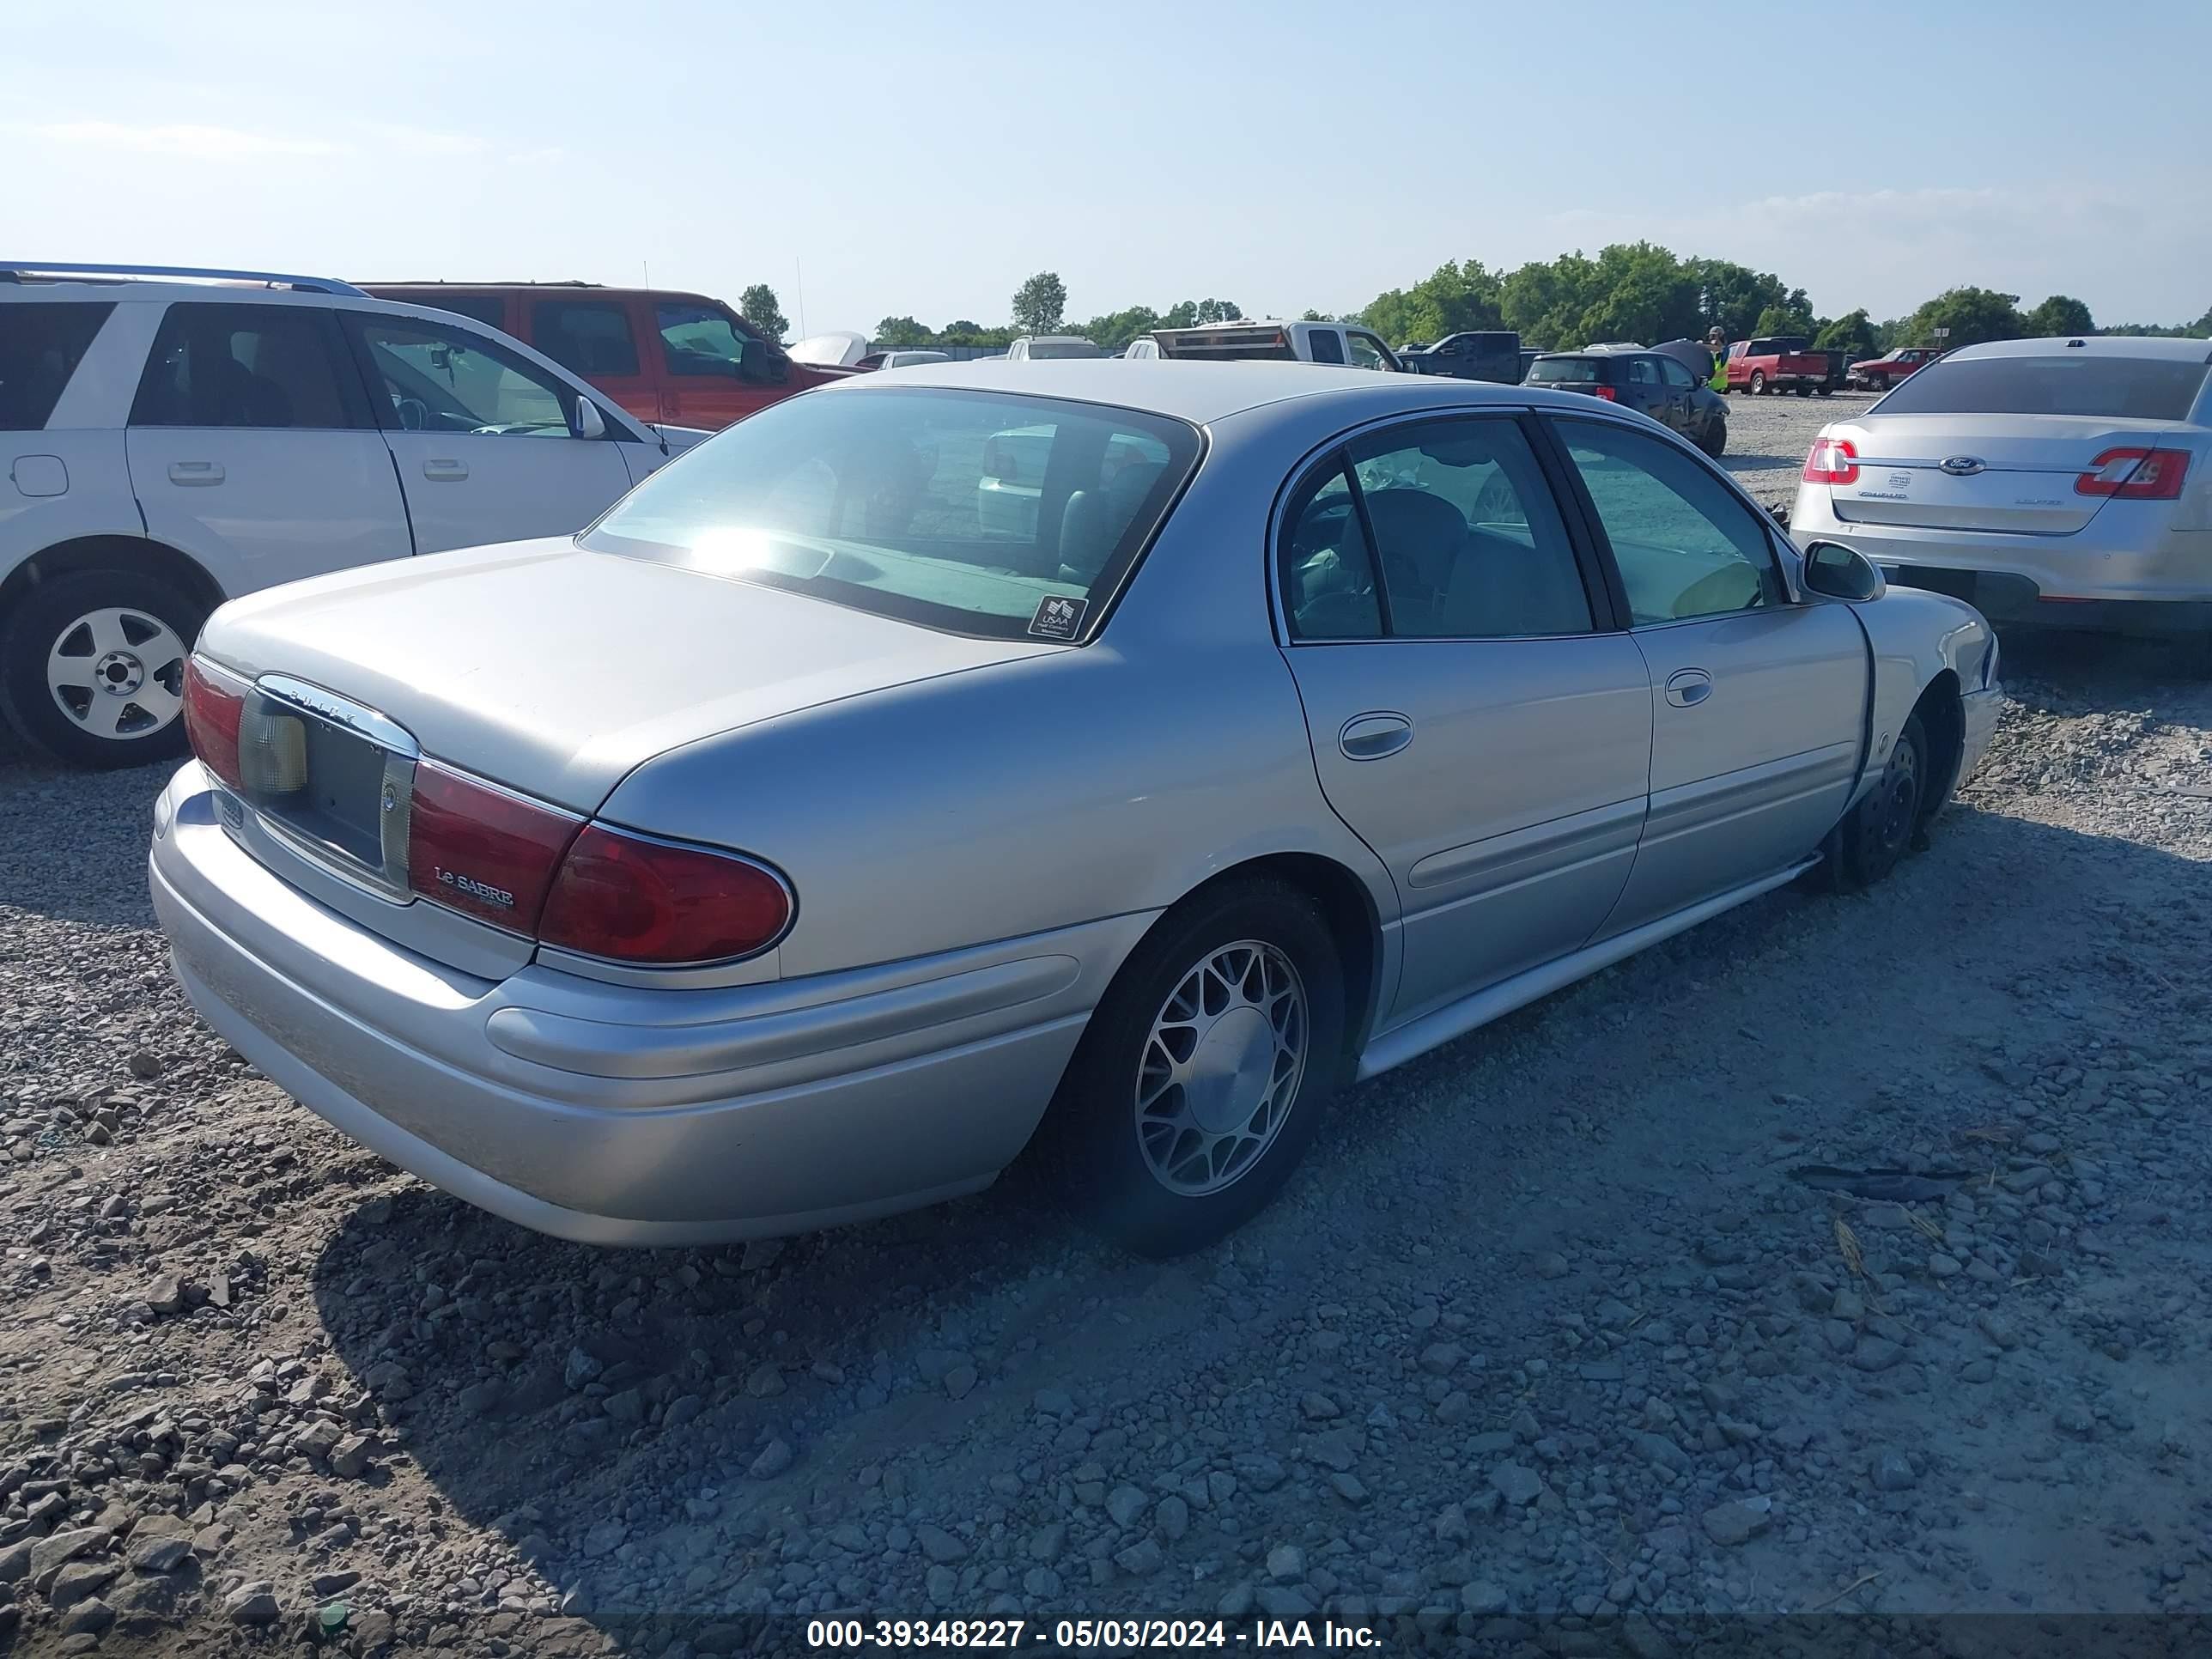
(1121, 757)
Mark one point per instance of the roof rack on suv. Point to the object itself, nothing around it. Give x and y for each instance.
(18, 270)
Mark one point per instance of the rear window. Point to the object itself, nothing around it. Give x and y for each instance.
(1006, 516)
(2124, 388)
(1577, 371)
(41, 346)
(1041, 349)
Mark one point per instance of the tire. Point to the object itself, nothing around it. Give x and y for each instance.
(1246, 961)
(1876, 834)
(1714, 442)
(110, 627)
(1824, 390)
(1804, 391)
(1758, 383)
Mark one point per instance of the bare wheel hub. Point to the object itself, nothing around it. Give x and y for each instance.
(1220, 1067)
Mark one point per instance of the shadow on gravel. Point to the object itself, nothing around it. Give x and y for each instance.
(637, 1422)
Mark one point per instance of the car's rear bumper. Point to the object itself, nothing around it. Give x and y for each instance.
(619, 1115)
(2078, 583)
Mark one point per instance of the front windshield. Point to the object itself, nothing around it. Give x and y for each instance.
(1009, 517)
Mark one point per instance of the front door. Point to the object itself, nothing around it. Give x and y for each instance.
(1469, 720)
(482, 436)
(714, 370)
(1758, 705)
(252, 446)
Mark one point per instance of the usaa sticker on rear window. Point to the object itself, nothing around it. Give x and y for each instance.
(1058, 616)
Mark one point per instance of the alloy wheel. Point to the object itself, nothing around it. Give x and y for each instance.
(118, 673)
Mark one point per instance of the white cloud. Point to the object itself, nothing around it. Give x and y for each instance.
(184, 140)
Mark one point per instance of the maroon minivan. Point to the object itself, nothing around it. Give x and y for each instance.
(681, 358)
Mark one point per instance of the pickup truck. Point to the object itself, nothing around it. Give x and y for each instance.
(1473, 355)
(1780, 362)
(1272, 340)
(1879, 374)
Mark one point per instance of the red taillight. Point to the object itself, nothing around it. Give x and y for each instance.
(1831, 461)
(478, 849)
(2135, 475)
(213, 703)
(1605, 392)
(658, 902)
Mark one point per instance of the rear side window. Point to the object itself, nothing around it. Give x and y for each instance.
(2124, 388)
(1572, 371)
(1326, 346)
(41, 346)
(981, 513)
(265, 366)
(589, 336)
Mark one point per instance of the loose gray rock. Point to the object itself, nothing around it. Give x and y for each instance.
(1736, 1522)
(1517, 1484)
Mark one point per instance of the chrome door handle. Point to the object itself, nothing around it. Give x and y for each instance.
(1371, 737)
(445, 471)
(195, 472)
(1688, 687)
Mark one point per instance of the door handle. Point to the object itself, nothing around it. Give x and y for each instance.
(195, 472)
(1688, 687)
(445, 471)
(1371, 737)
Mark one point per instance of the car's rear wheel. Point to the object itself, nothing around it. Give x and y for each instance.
(1714, 439)
(1758, 383)
(91, 667)
(1204, 1072)
(1876, 834)
(1804, 391)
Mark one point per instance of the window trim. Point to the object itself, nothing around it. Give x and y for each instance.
(1601, 582)
(346, 378)
(355, 322)
(1585, 507)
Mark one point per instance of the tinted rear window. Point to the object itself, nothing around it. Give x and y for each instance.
(41, 346)
(1578, 371)
(2130, 388)
(1002, 516)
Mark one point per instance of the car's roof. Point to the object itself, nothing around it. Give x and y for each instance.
(1201, 392)
(2092, 345)
(543, 290)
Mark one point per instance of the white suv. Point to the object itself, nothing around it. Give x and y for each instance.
(169, 444)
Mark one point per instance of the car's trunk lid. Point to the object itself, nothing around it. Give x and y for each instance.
(2013, 474)
(555, 672)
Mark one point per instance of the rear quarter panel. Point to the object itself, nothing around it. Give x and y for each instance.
(95, 498)
(1093, 781)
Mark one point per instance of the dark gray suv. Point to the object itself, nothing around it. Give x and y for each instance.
(1650, 382)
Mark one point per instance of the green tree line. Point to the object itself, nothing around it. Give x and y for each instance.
(1629, 291)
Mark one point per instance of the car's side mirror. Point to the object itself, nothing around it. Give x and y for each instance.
(589, 423)
(752, 360)
(1842, 573)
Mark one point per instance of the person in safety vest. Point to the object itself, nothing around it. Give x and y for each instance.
(1716, 342)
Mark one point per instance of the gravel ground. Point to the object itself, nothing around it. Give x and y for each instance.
(1546, 1343)
(1768, 438)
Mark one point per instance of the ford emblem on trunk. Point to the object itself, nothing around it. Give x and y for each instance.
(1962, 466)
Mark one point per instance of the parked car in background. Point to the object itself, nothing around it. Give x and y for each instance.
(1038, 347)
(641, 957)
(1473, 355)
(173, 443)
(838, 347)
(2062, 483)
(662, 355)
(1650, 382)
(1879, 374)
(1143, 349)
(1528, 356)
(903, 357)
(1780, 363)
(1271, 340)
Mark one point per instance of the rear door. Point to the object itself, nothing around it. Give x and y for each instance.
(482, 436)
(1640, 388)
(252, 448)
(1472, 718)
(1681, 388)
(596, 340)
(1758, 705)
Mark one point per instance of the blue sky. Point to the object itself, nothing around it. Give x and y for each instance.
(918, 158)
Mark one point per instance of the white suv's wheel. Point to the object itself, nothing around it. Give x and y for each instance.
(91, 667)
